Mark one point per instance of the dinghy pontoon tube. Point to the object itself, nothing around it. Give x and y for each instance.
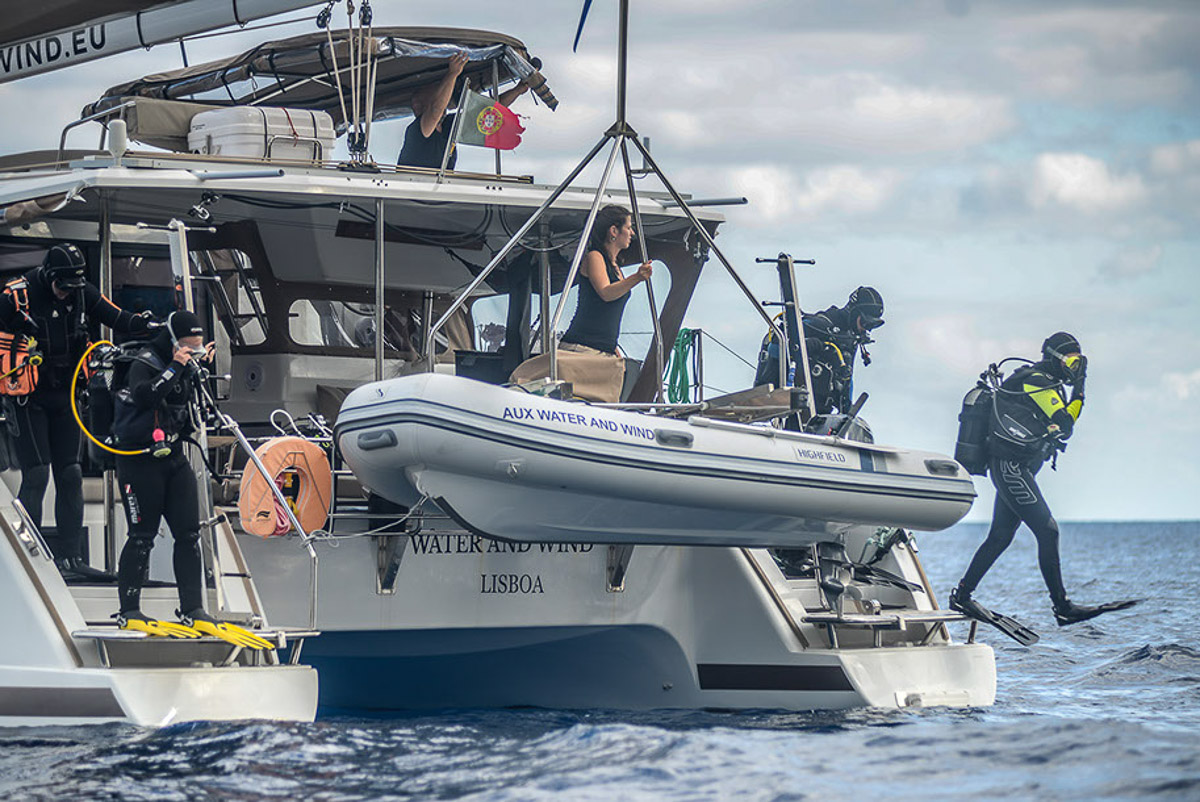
(514, 466)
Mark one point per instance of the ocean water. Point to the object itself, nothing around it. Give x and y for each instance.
(1107, 709)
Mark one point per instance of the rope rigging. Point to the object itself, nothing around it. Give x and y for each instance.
(362, 67)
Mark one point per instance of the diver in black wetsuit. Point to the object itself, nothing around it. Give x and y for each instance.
(833, 339)
(153, 410)
(1032, 422)
(54, 304)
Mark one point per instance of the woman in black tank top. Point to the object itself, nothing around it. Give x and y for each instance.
(604, 290)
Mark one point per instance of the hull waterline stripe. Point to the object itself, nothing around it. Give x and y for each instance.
(737, 677)
(60, 703)
(662, 467)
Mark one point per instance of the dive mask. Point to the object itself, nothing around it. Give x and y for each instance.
(1074, 364)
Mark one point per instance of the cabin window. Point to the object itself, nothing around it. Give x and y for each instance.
(17, 258)
(144, 281)
(339, 324)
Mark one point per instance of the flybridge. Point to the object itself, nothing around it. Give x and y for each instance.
(33, 48)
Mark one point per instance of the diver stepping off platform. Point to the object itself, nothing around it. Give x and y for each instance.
(1009, 428)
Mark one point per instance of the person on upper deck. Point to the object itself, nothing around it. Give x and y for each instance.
(427, 136)
(588, 355)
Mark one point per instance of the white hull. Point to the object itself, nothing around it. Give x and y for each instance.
(478, 623)
(62, 662)
(155, 697)
(510, 465)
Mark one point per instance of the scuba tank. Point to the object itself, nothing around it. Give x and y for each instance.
(97, 402)
(974, 423)
(107, 369)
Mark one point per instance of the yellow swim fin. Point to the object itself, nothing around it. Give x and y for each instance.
(136, 621)
(202, 622)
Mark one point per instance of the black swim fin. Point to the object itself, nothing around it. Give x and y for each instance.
(963, 603)
(1069, 613)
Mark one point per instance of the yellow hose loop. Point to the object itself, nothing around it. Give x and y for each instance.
(75, 409)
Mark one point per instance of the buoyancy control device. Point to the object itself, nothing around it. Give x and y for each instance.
(990, 425)
(106, 367)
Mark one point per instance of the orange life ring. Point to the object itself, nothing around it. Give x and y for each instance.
(303, 464)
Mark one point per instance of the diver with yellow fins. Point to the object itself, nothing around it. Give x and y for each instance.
(1028, 422)
(155, 408)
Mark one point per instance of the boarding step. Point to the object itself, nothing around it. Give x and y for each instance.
(886, 620)
(125, 648)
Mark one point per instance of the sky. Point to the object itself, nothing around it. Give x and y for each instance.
(998, 170)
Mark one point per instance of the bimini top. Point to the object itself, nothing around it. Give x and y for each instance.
(299, 72)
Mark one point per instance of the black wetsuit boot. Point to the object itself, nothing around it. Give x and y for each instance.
(1067, 612)
(960, 600)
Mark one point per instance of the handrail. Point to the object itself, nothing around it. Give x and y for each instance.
(109, 112)
(306, 538)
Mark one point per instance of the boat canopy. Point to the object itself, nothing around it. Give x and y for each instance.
(299, 72)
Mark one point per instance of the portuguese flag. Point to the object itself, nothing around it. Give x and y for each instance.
(488, 124)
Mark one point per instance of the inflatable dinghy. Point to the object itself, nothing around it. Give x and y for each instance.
(513, 466)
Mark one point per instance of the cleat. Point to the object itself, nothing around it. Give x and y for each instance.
(202, 622)
(135, 621)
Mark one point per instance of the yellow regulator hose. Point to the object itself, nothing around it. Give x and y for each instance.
(75, 409)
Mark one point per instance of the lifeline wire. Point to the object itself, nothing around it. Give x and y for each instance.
(709, 336)
(329, 537)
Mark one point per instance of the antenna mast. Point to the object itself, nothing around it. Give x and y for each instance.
(620, 134)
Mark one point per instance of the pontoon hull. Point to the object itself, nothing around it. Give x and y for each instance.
(54, 671)
(627, 668)
(476, 623)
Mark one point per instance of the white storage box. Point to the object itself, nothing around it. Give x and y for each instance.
(259, 132)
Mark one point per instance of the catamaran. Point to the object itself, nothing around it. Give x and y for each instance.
(468, 542)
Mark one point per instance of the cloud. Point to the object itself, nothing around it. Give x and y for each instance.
(1131, 263)
(1183, 386)
(1175, 158)
(1105, 56)
(1170, 399)
(845, 188)
(1083, 183)
(956, 341)
(842, 189)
